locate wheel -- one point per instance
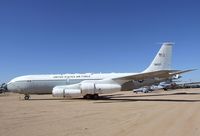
(87, 96)
(26, 97)
(91, 96)
(95, 96)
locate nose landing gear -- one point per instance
(26, 97)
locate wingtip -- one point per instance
(191, 70)
(182, 71)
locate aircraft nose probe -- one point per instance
(3, 88)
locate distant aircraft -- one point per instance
(91, 85)
(145, 89)
(3, 88)
(165, 85)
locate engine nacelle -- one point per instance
(64, 91)
(87, 88)
(92, 88)
(82, 89)
(107, 88)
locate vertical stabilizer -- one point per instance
(162, 61)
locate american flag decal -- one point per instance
(161, 55)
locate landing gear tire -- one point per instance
(26, 97)
(91, 96)
(165, 89)
(95, 96)
(87, 96)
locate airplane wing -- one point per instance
(154, 74)
(182, 71)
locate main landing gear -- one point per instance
(26, 97)
(91, 96)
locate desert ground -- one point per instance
(170, 113)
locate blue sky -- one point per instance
(63, 36)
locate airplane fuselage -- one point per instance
(44, 84)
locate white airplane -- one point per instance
(91, 85)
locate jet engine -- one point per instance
(96, 88)
(82, 89)
(58, 92)
(67, 91)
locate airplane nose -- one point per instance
(11, 87)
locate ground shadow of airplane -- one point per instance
(123, 98)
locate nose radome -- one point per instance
(11, 87)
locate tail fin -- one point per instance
(162, 61)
